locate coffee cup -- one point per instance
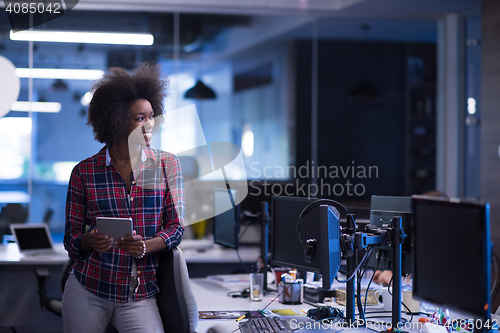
(412, 304)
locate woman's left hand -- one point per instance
(131, 244)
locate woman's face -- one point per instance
(141, 122)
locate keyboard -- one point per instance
(265, 325)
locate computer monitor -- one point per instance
(383, 209)
(329, 219)
(321, 223)
(226, 225)
(452, 254)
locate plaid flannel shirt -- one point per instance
(155, 204)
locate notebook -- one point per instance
(33, 239)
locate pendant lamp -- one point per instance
(200, 91)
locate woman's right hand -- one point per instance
(98, 242)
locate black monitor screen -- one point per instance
(32, 238)
(451, 236)
(226, 226)
(286, 250)
(321, 223)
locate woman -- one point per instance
(126, 178)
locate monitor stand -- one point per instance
(264, 220)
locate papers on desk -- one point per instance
(230, 278)
(221, 314)
(290, 312)
(237, 314)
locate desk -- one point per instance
(19, 301)
(9, 255)
(212, 296)
(219, 260)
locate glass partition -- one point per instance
(276, 79)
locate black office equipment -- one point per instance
(263, 220)
(286, 250)
(383, 209)
(452, 236)
(318, 249)
(33, 239)
(226, 225)
(327, 313)
(266, 324)
(329, 244)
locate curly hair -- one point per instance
(109, 109)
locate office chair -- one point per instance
(15, 212)
(51, 304)
(54, 305)
(176, 302)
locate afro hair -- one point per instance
(109, 109)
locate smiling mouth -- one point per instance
(147, 137)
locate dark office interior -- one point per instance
(339, 101)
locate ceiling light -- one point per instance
(83, 37)
(200, 91)
(15, 125)
(57, 73)
(471, 105)
(36, 106)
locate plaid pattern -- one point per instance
(155, 204)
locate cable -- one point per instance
(407, 308)
(404, 320)
(389, 285)
(241, 261)
(244, 230)
(356, 270)
(361, 311)
(369, 283)
(237, 293)
(497, 277)
(358, 296)
(494, 288)
(314, 204)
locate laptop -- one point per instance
(33, 239)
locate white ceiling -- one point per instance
(390, 20)
(350, 8)
(246, 7)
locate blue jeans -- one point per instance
(84, 312)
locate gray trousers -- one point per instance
(84, 312)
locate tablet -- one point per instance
(115, 227)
